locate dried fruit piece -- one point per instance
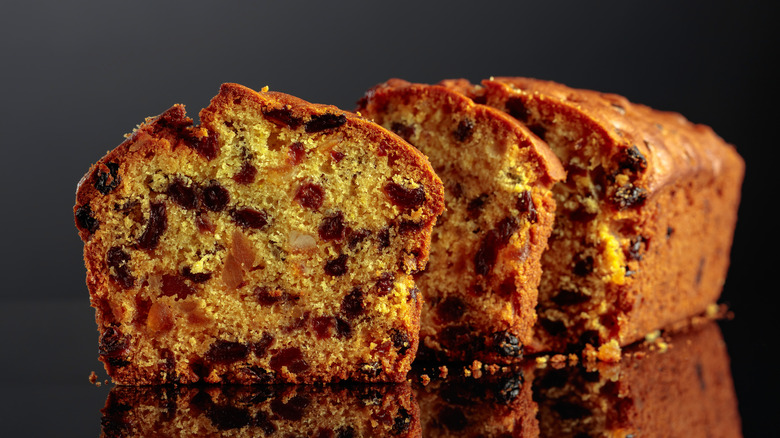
(408, 199)
(290, 357)
(85, 220)
(107, 178)
(159, 319)
(113, 343)
(332, 227)
(401, 341)
(283, 117)
(215, 197)
(250, 218)
(310, 196)
(222, 351)
(117, 259)
(175, 285)
(352, 304)
(525, 206)
(507, 344)
(182, 194)
(384, 284)
(494, 241)
(322, 122)
(247, 174)
(464, 131)
(322, 326)
(451, 309)
(155, 227)
(296, 153)
(336, 267)
(260, 348)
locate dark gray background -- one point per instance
(78, 75)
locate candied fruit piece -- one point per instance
(232, 273)
(159, 318)
(322, 326)
(243, 250)
(283, 117)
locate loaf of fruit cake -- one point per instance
(645, 217)
(276, 241)
(335, 411)
(480, 286)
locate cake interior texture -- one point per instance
(275, 241)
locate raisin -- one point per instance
(283, 117)
(629, 196)
(292, 358)
(464, 131)
(206, 147)
(451, 309)
(310, 196)
(250, 218)
(516, 108)
(246, 175)
(228, 417)
(337, 156)
(404, 198)
(346, 432)
(215, 197)
(292, 410)
(105, 182)
(633, 160)
(494, 241)
(404, 131)
(332, 227)
(200, 277)
(669, 232)
(583, 267)
(507, 344)
(352, 304)
(372, 369)
(400, 341)
(113, 343)
(509, 390)
(383, 238)
(475, 206)
(343, 328)
(406, 227)
(260, 348)
(385, 284)
(453, 419)
(336, 267)
(118, 259)
(296, 153)
(322, 326)
(402, 422)
(155, 227)
(182, 194)
(569, 298)
(322, 122)
(525, 205)
(175, 285)
(357, 236)
(268, 297)
(85, 220)
(223, 352)
(570, 411)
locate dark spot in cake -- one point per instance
(413, 293)
(404, 131)
(262, 422)
(475, 206)
(384, 284)
(118, 259)
(507, 344)
(175, 285)
(464, 131)
(628, 196)
(570, 411)
(451, 309)
(85, 220)
(402, 422)
(632, 160)
(332, 227)
(407, 199)
(346, 432)
(290, 357)
(618, 108)
(107, 178)
(292, 410)
(406, 227)
(260, 348)
(228, 417)
(401, 341)
(566, 297)
(554, 378)
(538, 130)
(283, 117)
(296, 153)
(583, 267)
(224, 352)
(336, 267)
(516, 108)
(582, 215)
(456, 190)
(337, 156)
(323, 326)
(510, 389)
(461, 339)
(155, 227)
(700, 271)
(453, 419)
(113, 343)
(142, 306)
(555, 328)
(183, 195)
(269, 296)
(669, 232)
(323, 122)
(297, 322)
(525, 206)
(588, 337)
(215, 197)
(206, 147)
(250, 218)
(354, 237)
(493, 242)
(635, 248)
(352, 304)
(247, 174)
(199, 277)
(310, 196)
(343, 328)
(370, 370)
(383, 238)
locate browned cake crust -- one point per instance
(274, 242)
(480, 286)
(360, 410)
(645, 217)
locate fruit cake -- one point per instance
(326, 411)
(645, 217)
(481, 282)
(276, 241)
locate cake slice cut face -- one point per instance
(480, 286)
(645, 218)
(276, 241)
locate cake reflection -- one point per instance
(672, 384)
